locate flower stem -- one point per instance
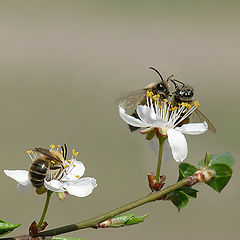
(49, 193)
(161, 142)
(93, 222)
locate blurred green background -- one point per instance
(64, 64)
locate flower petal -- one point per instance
(22, 188)
(77, 171)
(178, 144)
(54, 185)
(21, 176)
(193, 128)
(167, 153)
(149, 117)
(130, 119)
(81, 188)
(146, 114)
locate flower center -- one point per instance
(173, 115)
(54, 162)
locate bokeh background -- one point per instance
(64, 65)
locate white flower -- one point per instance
(69, 180)
(164, 119)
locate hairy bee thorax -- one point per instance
(46, 165)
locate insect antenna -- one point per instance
(175, 80)
(154, 69)
(175, 85)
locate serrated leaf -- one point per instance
(180, 200)
(222, 177)
(190, 192)
(225, 158)
(186, 169)
(65, 238)
(6, 227)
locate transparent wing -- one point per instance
(47, 153)
(197, 116)
(130, 101)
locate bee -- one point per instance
(49, 165)
(185, 93)
(130, 102)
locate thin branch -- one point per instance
(93, 222)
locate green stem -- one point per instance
(92, 222)
(49, 193)
(161, 142)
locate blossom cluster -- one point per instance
(165, 119)
(67, 181)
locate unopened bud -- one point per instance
(122, 220)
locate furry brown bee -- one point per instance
(131, 101)
(48, 165)
(185, 93)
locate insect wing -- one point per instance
(47, 153)
(197, 116)
(131, 101)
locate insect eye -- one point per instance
(188, 93)
(161, 87)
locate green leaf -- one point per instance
(136, 220)
(6, 227)
(180, 200)
(190, 192)
(222, 177)
(123, 220)
(65, 238)
(225, 158)
(186, 169)
(120, 221)
(150, 135)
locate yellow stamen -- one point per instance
(68, 161)
(150, 94)
(197, 104)
(74, 152)
(53, 162)
(74, 165)
(52, 146)
(155, 98)
(66, 166)
(77, 176)
(28, 151)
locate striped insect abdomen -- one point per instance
(38, 171)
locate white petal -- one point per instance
(167, 153)
(193, 128)
(22, 188)
(81, 188)
(75, 173)
(146, 114)
(149, 117)
(21, 176)
(130, 119)
(54, 185)
(178, 144)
